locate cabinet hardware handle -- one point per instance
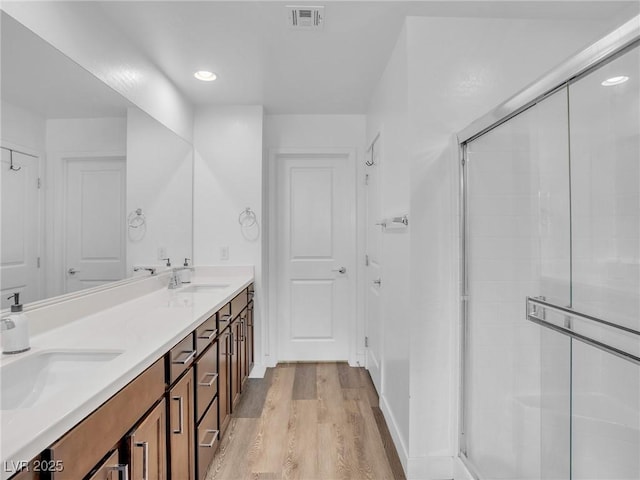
(145, 459)
(213, 439)
(342, 270)
(252, 295)
(180, 415)
(226, 317)
(212, 334)
(233, 340)
(213, 376)
(241, 338)
(121, 468)
(189, 356)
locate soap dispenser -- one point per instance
(186, 273)
(15, 329)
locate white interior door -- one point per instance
(373, 307)
(316, 256)
(20, 227)
(95, 222)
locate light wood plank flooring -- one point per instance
(308, 421)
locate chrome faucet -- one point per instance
(148, 269)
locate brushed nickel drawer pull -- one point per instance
(226, 318)
(210, 336)
(145, 459)
(121, 468)
(180, 415)
(213, 439)
(189, 356)
(213, 376)
(233, 340)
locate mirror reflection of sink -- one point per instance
(203, 288)
(33, 379)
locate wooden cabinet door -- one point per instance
(242, 349)
(235, 363)
(147, 445)
(111, 469)
(250, 348)
(223, 379)
(182, 428)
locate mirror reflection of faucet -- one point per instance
(151, 270)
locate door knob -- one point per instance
(342, 270)
(378, 282)
(72, 271)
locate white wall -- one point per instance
(444, 73)
(22, 128)
(159, 181)
(227, 179)
(323, 132)
(80, 32)
(388, 115)
(68, 138)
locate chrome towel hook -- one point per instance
(11, 166)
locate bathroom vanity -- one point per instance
(142, 390)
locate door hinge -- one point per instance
(366, 341)
(366, 179)
(39, 182)
(38, 262)
(366, 260)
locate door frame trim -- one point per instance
(270, 337)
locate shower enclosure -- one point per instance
(551, 276)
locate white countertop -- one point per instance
(144, 329)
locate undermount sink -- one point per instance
(34, 378)
(203, 288)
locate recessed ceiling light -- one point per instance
(610, 82)
(205, 75)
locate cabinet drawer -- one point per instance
(205, 333)
(83, 447)
(239, 303)
(206, 379)
(224, 317)
(110, 469)
(208, 438)
(181, 357)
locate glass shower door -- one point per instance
(517, 374)
(605, 181)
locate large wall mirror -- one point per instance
(92, 186)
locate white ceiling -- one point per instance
(39, 78)
(259, 60)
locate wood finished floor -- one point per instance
(308, 421)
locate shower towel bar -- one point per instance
(533, 316)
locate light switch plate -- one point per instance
(162, 253)
(224, 253)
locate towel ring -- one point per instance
(136, 219)
(247, 218)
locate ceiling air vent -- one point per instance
(305, 18)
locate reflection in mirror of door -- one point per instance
(86, 157)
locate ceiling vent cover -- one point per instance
(305, 17)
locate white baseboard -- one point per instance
(258, 371)
(395, 433)
(460, 472)
(430, 468)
